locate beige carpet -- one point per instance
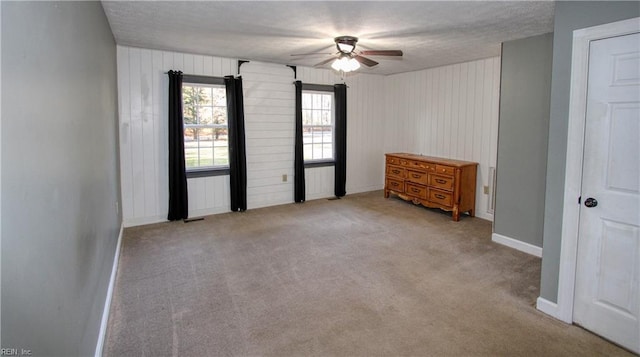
(360, 276)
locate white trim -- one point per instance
(141, 221)
(575, 141)
(517, 244)
(548, 307)
(107, 304)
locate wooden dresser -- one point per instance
(432, 182)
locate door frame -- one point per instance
(575, 156)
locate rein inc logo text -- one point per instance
(15, 352)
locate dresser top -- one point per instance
(437, 160)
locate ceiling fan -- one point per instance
(347, 59)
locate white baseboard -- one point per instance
(207, 211)
(102, 334)
(516, 244)
(141, 221)
(548, 307)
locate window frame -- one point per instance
(322, 88)
(209, 171)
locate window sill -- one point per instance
(319, 163)
(195, 173)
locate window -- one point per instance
(206, 144)
(318, 124)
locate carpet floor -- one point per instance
(359, 276)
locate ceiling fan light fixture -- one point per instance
(345, 47)
(345, 64)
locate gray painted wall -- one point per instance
(523, 130)
(60, 174)
(569, 16)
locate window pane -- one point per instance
(205, 115)
(327, 134)
(327, 151)
(308, 151)
(190, 148)
(306, 100)
(307, 135)
(317, 151)
(221, 153)
(219, 115)
(317, 115)
(326, 102)
(205, 96)
(306, 117)
(206, 145)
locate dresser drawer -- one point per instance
(424, 166)
(396, 171)
(393, 160)
(417, 177)
(395, 185)
(445, 170)
(441, 182)
(416, 190)
(441, 197)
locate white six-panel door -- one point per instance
(607, 296)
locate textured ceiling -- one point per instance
(430, 33)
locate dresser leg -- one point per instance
(456, 214)
(472, 212)
(386, 193)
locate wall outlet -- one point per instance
(486, 190)
(284, 178)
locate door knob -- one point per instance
(590, 202)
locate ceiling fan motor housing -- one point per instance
(348, 44)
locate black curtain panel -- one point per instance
(237, 153)
(340, 92)
(178, 204)
(298, 183)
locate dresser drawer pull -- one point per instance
(415, 190)
(441, 181)
(416, 175)
(403, 162)
(395, 171)
(444, 170)
(440, 196)
(394, 184)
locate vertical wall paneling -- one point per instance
(142, 97)
(269, 130)
(365, 133)
(452, 112)
(448, 111)
(126, 184)
(269, 117)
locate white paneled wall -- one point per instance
(269, 120)
(269, 114)
(449, 111)
(365, 134)
(142, 96)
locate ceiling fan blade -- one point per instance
(381, 52)
(324, 62)
(312, 54)
(365, 61)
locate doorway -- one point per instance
(574, 207)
